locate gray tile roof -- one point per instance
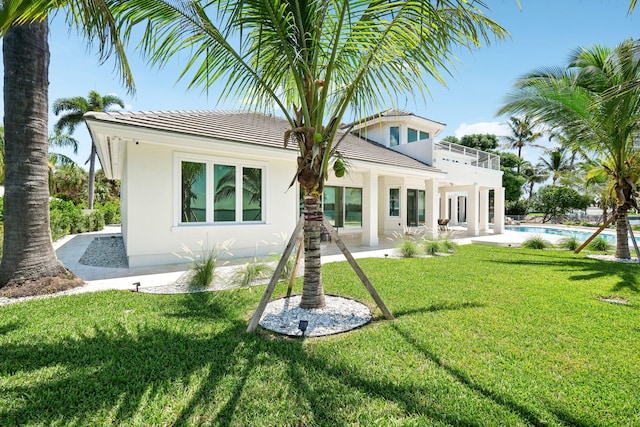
(251, 128)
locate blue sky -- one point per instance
(543, 33)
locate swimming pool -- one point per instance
(581, 235)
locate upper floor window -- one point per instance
(394, 136)
(218, 192)
(414, 135)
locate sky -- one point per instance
(542, 33)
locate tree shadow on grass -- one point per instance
(9, 327)
(532, 417)
(584, 269)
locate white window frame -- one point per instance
(210, 161)
(344, 206)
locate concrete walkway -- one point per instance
(71, 248)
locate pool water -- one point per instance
(580, 235)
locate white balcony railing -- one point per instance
(456, 153)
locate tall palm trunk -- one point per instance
(28, 253)
(622, 244)
(312, 290)
(92, 175)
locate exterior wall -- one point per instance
(152, 235)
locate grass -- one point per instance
(489, 336)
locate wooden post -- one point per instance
(582, 246)
(633, 239)
(294, 272)
(365, 281)
(295, 237)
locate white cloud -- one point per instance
(496, 128)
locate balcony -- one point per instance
(449, 152)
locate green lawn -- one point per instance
(490, 336)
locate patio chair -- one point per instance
(443, 224)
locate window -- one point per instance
(220, 192)
(193, 194)
(394, 202)
(343, 206)
(412, 135)
(394, 136)
(415, 207)
(424, 135)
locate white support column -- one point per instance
(484, 210)
(453, 215)
(431, 207)
(370, 224)
(472, 210)
(498, 211)
(443, 205)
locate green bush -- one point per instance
(95, 220)
(599, 244)
(111, 211)
(536, 242)
(570, 243)
(408, 248)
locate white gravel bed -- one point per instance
(339, 315)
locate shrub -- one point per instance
(111, 212)
(448, 245)
(599, 244)
(536, 242)
(408, 248)
(431, 247)
(569, 243)
(252, 271)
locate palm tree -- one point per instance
(74, 110)
(60, 140)
(593, 100)
(533, 174)
(312, 61)
(28, 253)
(522, 134)
(556, 164)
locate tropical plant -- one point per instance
(252, 271)
(313, 62)
(523, 134)
(537, 242)
(599, 244)
(60, 140)
(408, 248)
(555, 164)
(555, 201)
(595, 101)
(72, 111)
(28, 251)
(569, 243)
(533, 174)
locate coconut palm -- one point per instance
(556, 164)
(533, 174)
(312, 62)
(594, 101)
(73, 110)
(28, 253)
(60, 140)
(522, 135)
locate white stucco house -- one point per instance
(193, 176)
